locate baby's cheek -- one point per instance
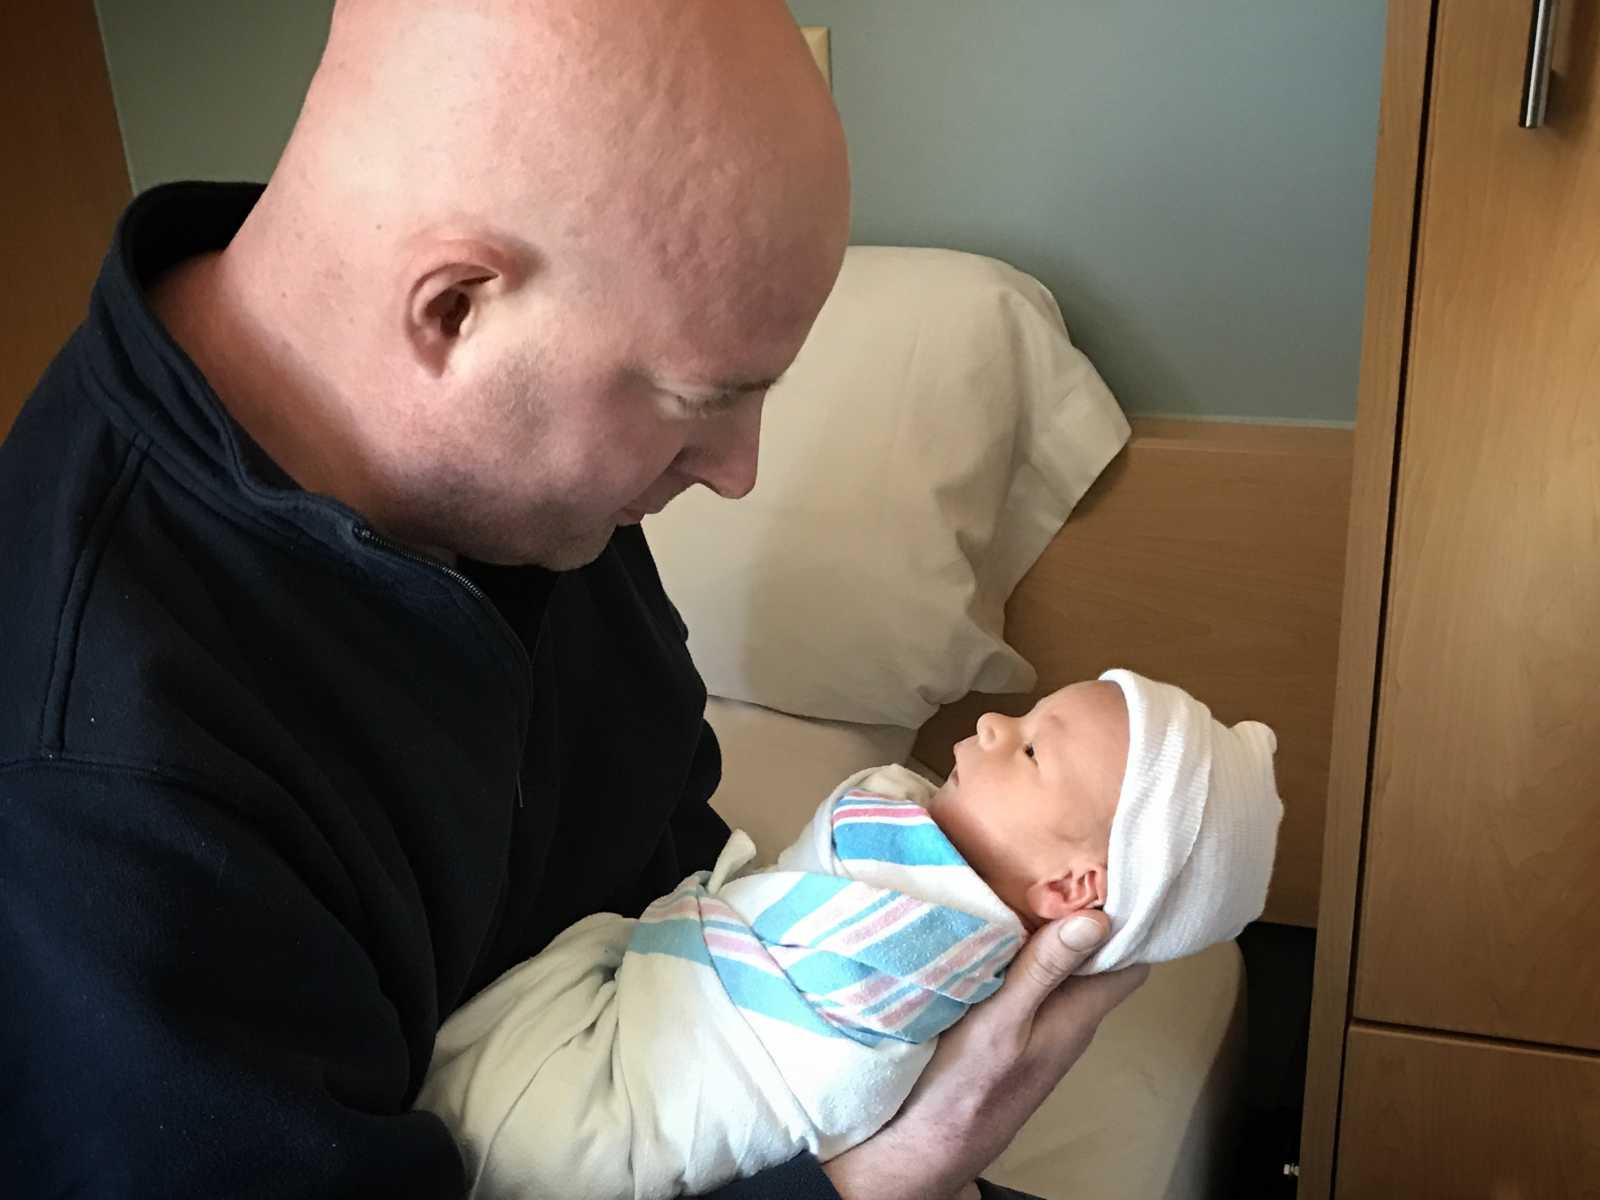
(956, 825)
(985, 852)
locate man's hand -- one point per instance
(990, 1072)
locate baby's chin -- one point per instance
(944, 792)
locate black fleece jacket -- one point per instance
(275, 797)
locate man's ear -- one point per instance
(1079, 888)
(441, 307)
(451, 278)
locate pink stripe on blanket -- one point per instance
(880, 923)
(934, 977)
(866, 992)
(863, 794)
(745, 950)
(905, 1012)
(684, 906)
(959, 957)
(908, 814)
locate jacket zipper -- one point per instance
(366, 533)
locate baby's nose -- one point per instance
(991, 728)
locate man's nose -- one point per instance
(727, 462)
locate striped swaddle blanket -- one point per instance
(863, 941)
(745, 1017)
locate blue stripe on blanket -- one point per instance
(919, 943)
(913, 845)
(748, 987)
(822, 972)
(941, 1013)
(900, 953)
(772, 996)
(803, 899)
(854, 918)
(681, 938)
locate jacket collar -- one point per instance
(154, 387)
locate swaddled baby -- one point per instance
(754, 1014)
(1121, 794)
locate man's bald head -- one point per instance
(680, 127)
(564, 208)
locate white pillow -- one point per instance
(934, 433)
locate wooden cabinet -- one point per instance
(1457, 1011)
(1435, 1116)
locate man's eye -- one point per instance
(702, 407)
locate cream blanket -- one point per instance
(742, 1019)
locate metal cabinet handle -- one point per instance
(1536, 78)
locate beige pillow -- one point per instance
(934, 433)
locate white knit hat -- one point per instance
(1195, 829)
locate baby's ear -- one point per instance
(1078, 889)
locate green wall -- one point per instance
(209, 89)
(1192, 178)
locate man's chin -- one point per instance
(564, 554)
(575, 552)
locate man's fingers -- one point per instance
(1052, 954)
(1085, 1004)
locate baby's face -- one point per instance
(1030, 801)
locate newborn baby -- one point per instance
(754, 1014)
(1121, 794)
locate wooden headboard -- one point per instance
(1211, 556)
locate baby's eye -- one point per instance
(1028, 749)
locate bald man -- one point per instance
(327, 619)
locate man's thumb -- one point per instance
(1082, 934)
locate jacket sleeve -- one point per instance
(800, 1178)
(184, 1017)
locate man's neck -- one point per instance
(251, 366)
(249, 359)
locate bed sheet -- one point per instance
(1149, 1111)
